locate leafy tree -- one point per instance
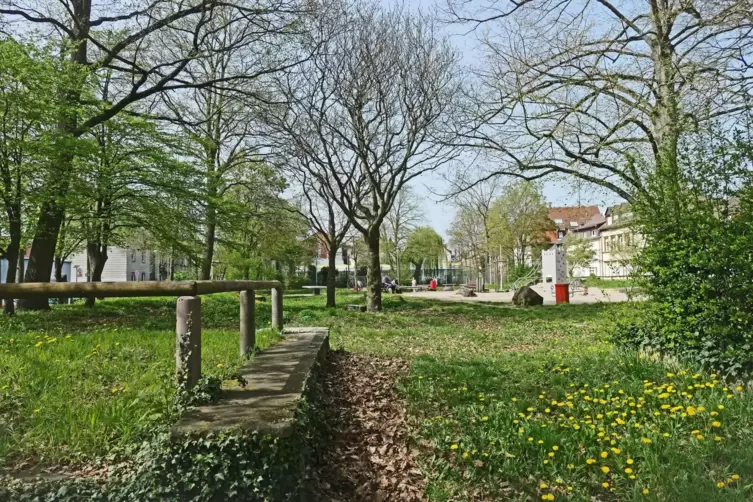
(697, 263)
(424, 249)
(519, 223)
(150, 47)
(579, 251)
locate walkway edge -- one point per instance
(275, 381)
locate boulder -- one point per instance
(356, 308)
(448, 288)
(527, 297)
(466, 292)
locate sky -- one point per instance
(557, 191)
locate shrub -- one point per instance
(697, 264)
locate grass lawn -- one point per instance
(505, 403)
(77, 384)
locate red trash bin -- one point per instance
(562, 293)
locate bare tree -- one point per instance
(325, 218)
(400, 222)
(585, 88)
(363, 117)
(474, 226)
(129, 39)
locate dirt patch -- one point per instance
(368, 457)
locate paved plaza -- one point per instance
(595, 295)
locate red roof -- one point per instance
(581, 214)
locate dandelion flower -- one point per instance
(690, 410)
(591, 461)
(735, 477)
(605, 469)
(543, 486)
(628, 470)
(716, 424)
(604, 454)
(645, 491)
(646, 440)
(630, 461)
(720, 484)
(454, 447)
(605, 484)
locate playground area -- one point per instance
(595, 295)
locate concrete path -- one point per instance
(275, 379)
(595, 295)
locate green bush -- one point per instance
(697, 263)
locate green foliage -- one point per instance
(80, 384)
(697, 266)
(424, 249)
(223, 467)
(579, 252)
(519, 222)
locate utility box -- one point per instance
(554, 266)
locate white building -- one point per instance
(123, 264)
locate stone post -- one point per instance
(248, 323)
(188, 339)
(277, 308)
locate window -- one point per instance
(592, 271)
(593, 233)
(133, 276)
(558, 221)
(143, 257)
(133, 255)
(573, 223)
(143, 276)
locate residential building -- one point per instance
(569, 219)
(4, 268)
(591, 231)
(127, 264)
(619, 242)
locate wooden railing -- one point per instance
(188, 309)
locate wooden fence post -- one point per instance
(277, 308)
(188, 340)
(248, 322)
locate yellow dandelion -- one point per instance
(605, 484)
(630, 461)
(465, 454)
(735, 477)
(739, 388)
(591, 461)
(628, 470)
(717, 438)
(551, 453)
(645, 491)
(720, 484)
(716, 424)
(604, 454)
(454, 447)
(646, 440)
(555, 447)
(543, 486)
(484, 419)
(605, 469)
(690, 411)
(548, 496)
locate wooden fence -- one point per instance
(188, 309)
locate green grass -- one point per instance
(485, 378)
(78, 383)
(593, 282)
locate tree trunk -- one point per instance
(97, 254)
(331, 273)
(374, 278)
(12, 256)
(21, 265)
(209, 238)
(42, 253)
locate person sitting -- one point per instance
(433, 285)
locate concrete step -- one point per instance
(275, 378)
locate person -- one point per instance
(413, 282)
(433, 284)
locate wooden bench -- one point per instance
(415, 288)
(317, 289)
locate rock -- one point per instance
(466, 292)
(356, 308)
(448, 288)
(527, 297)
